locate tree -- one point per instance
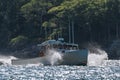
(35, 12)
(10, 15)
(80, 12)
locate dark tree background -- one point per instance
(39, 20)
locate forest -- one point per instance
(33, 21)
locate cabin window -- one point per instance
(67, 47)
(71, 47)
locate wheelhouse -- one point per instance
(53, 44)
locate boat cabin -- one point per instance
(58, 45)
(53, 44)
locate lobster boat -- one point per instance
(70, 52)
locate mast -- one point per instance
(72, 31)
(69, 31)
(117, 31)
(45, 32)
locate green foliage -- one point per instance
(35, 12)
(49, 24)
(92, 15)
(18, 41)
(35, 8)
(48, 19)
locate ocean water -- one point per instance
(99, 67)
(109, 70)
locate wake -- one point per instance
(51, 57)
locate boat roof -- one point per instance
(56, 42)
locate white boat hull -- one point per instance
(75, 57)
(70, 57)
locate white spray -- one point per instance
(54, 57)
(97, 57)
(51, 57)
(6, 59)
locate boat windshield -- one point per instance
(65, 46)
(58, 45)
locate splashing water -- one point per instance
(6, 59)
(53, 57)
(96, 58)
